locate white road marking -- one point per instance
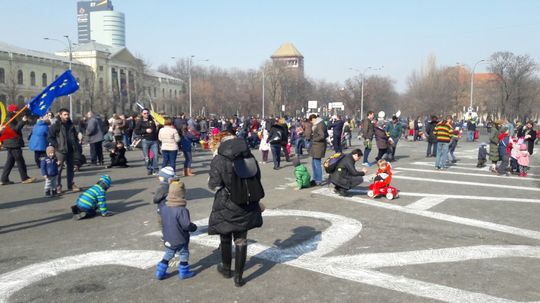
(532, 234)
(447, 172)
(307, 255)
(500, 186)
(18, 279)
(426, 203)
(485, 168)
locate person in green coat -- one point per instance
(494, 145)
(301, 173)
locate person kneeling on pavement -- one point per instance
(93, 199)
(345, 176)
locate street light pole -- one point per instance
(362, 75)
(262, 117)
(189, 81)
(472, 81)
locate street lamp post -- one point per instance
(262, 117)
(472, 81)
(362, 75)
(190, 61)
(70, 66)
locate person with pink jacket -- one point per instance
(523, 159)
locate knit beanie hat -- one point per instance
(49, 149)
(106, 180)
(177, 194)
(12, 108)
(167, 173)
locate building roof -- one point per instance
(155, 73)
(287, 50)
(8, 48)
(94, 46)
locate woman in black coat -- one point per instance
(229, 219)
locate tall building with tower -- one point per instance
(290, 58)
(97, 21)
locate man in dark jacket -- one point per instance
(431, 137)
(146, 128)
(229, 219)
(336, 125)
(276, 131)
(346, 176)
(368, 131)
(94, 137)
(63, 137)
(13, 147)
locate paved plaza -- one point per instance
(456, 235)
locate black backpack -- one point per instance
(246, 184)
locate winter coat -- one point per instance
(17, 126)
(64, 137)
(118, 127)
(264, 146)
(141, 127)
(275, 130)
(381, 138)
(203, 125)
(38, 137)
(368, 130)
(185, 142)
(523, 158)
(49, 167)
(504, 141)
(345, 169)
(318, 139)
(161, 193)
(94, 130)
(169, 138)
(302, 176)
(307, 129)
(337, 129)
(494, 144)
(226, 216)
(530, 140)
(395, 130)
(176, 225)
(430, 131)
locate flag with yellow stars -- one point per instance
(63, 85)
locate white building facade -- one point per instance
(111, 79)
(108, 27)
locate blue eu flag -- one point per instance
(63, 85)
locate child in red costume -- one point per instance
(384, 172)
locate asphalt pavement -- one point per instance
(456, 235)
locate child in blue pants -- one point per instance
(93, 199)
(176, 228)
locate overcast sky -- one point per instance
(333, 36)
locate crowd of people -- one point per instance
(234, 174)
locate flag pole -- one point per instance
(16, 115)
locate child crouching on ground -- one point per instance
(93, 199)
(301, 173)
(118, 156)
(49, 171)
(176, 228)
(482, 155)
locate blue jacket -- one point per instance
(38, 137)
(93, 198)
(176, 225)
(185, 142)
(49, 167)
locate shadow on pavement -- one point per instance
(15, 204)
(198, 193)
(34, 223)
(295, 243)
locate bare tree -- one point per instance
(516, 79)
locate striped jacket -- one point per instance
(444, 131)
(93, 198)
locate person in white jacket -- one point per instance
(169, 138)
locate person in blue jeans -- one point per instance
(147, 129)
(185, 141)
(318, 147)
(275, 138)
(169, 138)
